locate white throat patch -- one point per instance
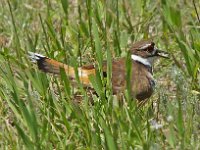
(146, 61)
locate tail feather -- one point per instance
(35, 56)
(48, 65)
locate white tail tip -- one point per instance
(35, 56)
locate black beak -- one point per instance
(162, 54)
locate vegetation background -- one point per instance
(37, 110)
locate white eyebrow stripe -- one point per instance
(141, 60)
(145, 46)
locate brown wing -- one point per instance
(141, 80)
(118, 75)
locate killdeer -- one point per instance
(143, 54)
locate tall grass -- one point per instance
(38, 110)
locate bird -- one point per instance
(142, 84)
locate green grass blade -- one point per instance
(25, 138)
(110, 142)
(66, 82)
(98, 47)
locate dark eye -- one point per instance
(152, 44)
(151, 47)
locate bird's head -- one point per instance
(146, 52)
